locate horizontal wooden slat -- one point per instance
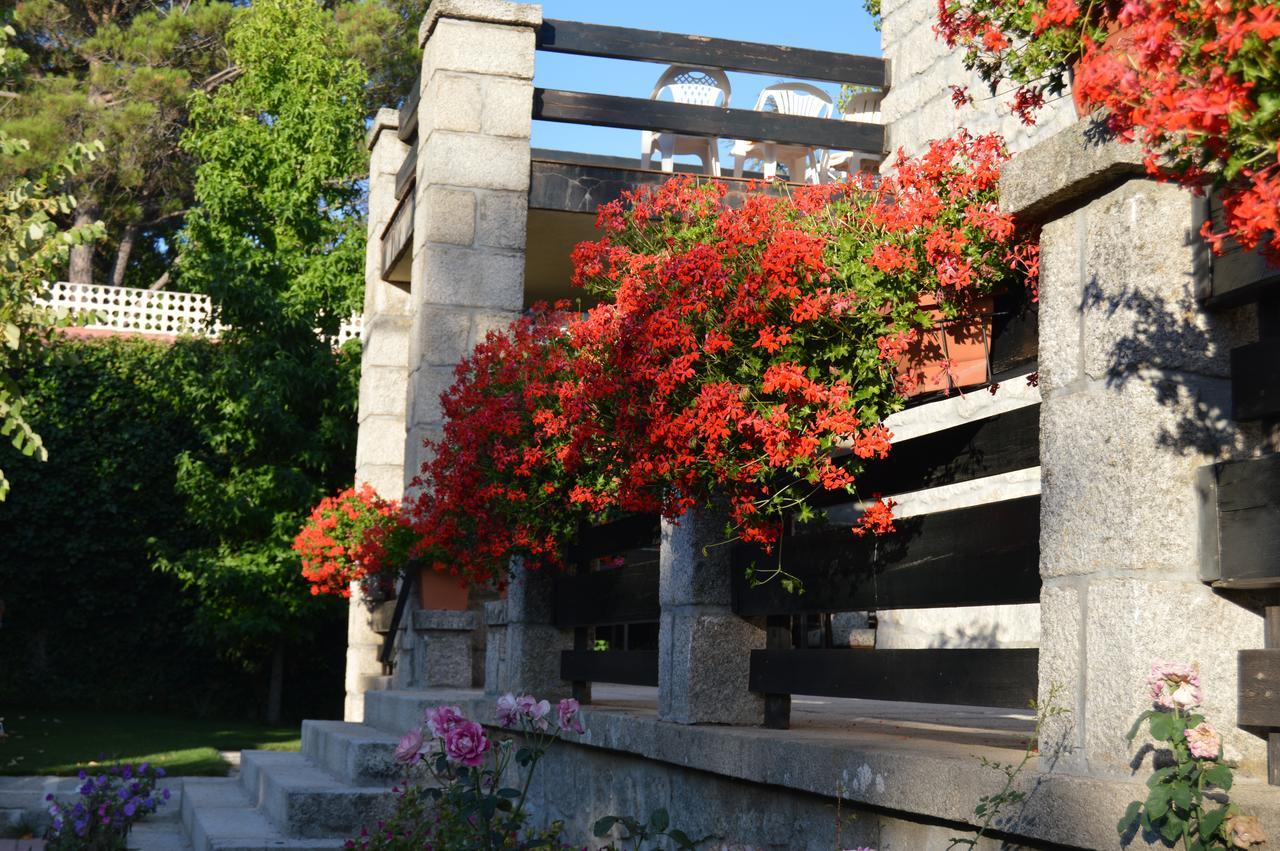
(969, 677)
(622, 595)
(1236, 276)
(1241, 523)
(971, 450)
(628, 533)
(1258, 703)
(649, 46)
(409, 112)
(692, 120)
(1015, 335)
(984, 555)
(1255, 381)
(629, 667)
(408, 172)
(397, 239)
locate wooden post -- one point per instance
(777, 707)
(1269, 329)
(583, 640)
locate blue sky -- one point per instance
(837, 25)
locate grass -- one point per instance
(42, 741)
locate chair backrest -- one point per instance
(864, 107)
(689, 84)
(795, 99)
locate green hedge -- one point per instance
(89, 620)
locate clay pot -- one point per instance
(438, 590)
(954, 353)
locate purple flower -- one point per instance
(569, 717)
(465, 743)
(164, 793)
(441, 718)
(409, 751)
(533, 709)
(508, 712)
(130, 808)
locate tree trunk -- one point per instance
(275, 694)
(81, 270)
(127, 239)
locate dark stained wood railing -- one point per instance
(622, 599)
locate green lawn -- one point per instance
(44, 741)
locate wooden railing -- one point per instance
(604, 110)
(617, 605)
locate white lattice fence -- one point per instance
(130, 310)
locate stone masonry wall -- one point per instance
(1135, 380)
(918, 105)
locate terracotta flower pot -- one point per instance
(953, 354)
(437, 590)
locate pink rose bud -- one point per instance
(409, 751)
(569, 718)
(508, 713)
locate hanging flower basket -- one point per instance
(440, 590)
(952, 355)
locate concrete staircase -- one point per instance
(307, 801)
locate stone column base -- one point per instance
(444, 639)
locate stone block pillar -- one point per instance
(445, 642)
(383, 388)
(529, 653)
(495, 648)
(472, 186)
(1135, 401)
(703, 647)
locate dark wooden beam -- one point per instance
(1258, 703)
(1015, 335)
(408, 172)
(409, 112)
(628, 667)
(984, 555)
(628, 533)
(1240, 523)
(972, 450)
(397, 241)
(969, 677)
(672, 48)
(622, 595)
(692, 120)
(1255, 380)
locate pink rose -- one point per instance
(409, 751)
(569, 720)
(507, 713)
(533, 709)
(441, 718)
(1203, 741)
(465, 743)
(1174, 685)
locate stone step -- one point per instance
(302, 799)
(396, 711)
(354, 753)
(217, 815)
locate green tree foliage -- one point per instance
(87, 620)
(123, 71)
(277, 240)
(120, 71)
(31, 245)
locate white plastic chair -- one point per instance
(863, 107)
(786, 99)
(686, 84)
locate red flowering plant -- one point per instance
(1196, 83)
(529, 428)
(753, 345)
(354, 536)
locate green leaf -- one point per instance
(1172, 827)
(1210, 822)
(1137, 725)
(659, 820)
(1219, 775)
(604, 826)
(1162, 726)
(1157, 803)
(1180, 794)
